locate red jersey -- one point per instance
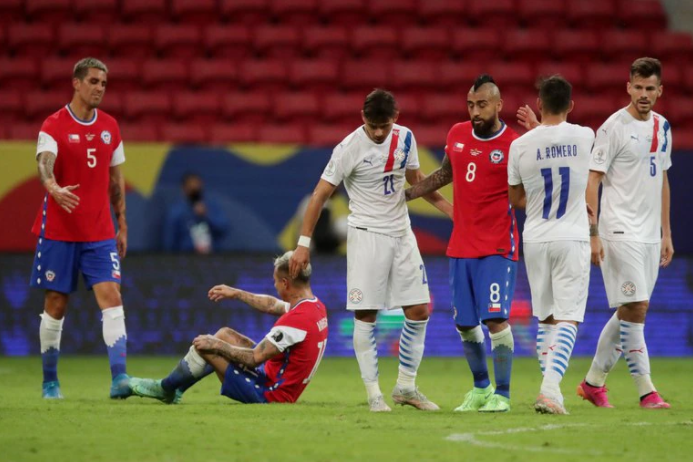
(85, 152)
(301, 334)
(484, 223)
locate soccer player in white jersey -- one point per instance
(384, 267)
(631, 156)
(547, 174)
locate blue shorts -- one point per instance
(57, 264)
(482, 288)
(244, 385)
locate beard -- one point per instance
(485, 128)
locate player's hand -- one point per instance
(221, 292)
(597, 250)
(205, 342)
(122, 241)
(527, 118)
(65, 198)
(299, 260)
(667, 252)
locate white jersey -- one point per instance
(373, 175)
(552, 162)
(633, 154)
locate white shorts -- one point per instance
(384, 272)
(559, 276)
(630, 271)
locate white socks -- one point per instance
(635, 352)
(411, 350)
(545, 335)
(475, 335)
(50, 332)
(196, 363)
(366, 352)
(113, 325)
(608, 352)
(558, 359)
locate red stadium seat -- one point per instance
(168, 74)
(513, 77)
(277, 41)
(11, 107)
(393, 12)
(49, 11)
(40, 105)
(680, 113)
(147, 106)
(431, 135)
(133, 41)
(579, 46)
(375, 42)
(326, 42)
(30, 40)
(247, 12)
(317, 75)
(684, 138)
(328, 135)
(542, 13)
(459, 76)
(148, 12)
(344, 108)
(96, 11)
(199, 12)
(624, 45)
(80, 40)
(112, 103)
(246, 106)
(26, 131)
(139, 132)
(266, 75)
(443, 108)
(124, 74)
(687, 77)
(597, 15)
(282, 134)
(177, 41)
(607, 77)
(527, 45)
(673, 77)
(670, 46)
(227, 41)
(572, 72)
(477, 45)
(197, 107)
(238, 132)
(303, 106)
(56, 73)
(295, 12)
(343, 12)
(11, 12)
(443, 13)
(636, 13)
(415, 75)
(220, 75)
(495, 14)
(185, 133)
(365, 75)
(592, 111)
(408, 105)
(430, 43)
(18, 74)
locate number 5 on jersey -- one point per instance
(91, 158)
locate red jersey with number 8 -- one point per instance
(484, 222)
(85, 152)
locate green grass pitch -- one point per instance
(331, 422)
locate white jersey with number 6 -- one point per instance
(552, 162)
(373, 175)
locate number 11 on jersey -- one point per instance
(547, 173)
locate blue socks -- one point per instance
(475, 351)
(50, 332)
(503, 346)
(190, 370)
(116, 339)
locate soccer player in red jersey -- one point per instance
(483, 248)
(277, 369)
(79, 153)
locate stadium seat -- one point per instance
(624, 45)
(592, 111)
(443, 13)
(295, 12)
(513, 76)
(444, 108)
(218, 75)
(670, 46)
(572, 72)
(3, 38)
(150, 12)
(11, 106)
(237, 132)
(303, 106)
(679, 114)
(246, 106)
(527, 45)
(173, 41)
(477, 45)
(198, 107)
(282, 134)
(687, 77)
(542, 13)
(408, 105)
(328, 135)
(24, 131)
(580, 46)
(139, 132)
(185, 133)
(316, 75)
(18, 74)
(326, 42)
(80, 40)
(112, 103)
(4, 131)
(365, 75)
(247, 12)
(123, 74)
(606, 77)
(599, 15)
(147, 106)
(228, 41)
(495, 14)
(30, 40)
(167, 74)
(343, 12)
(344, 108)
(39, 105)
(11, 12)
(511, 103)
(397, 13)
(198, 12)
(636, 13)
(268, 75)
(684, 138)
(430, 135)
(415, 75)
(56, 73)
(457, 76)
(429, 43)
(51, 12)
(96, 11)
(375, 42)
(673, 77)
(133, 41)
(280, 42)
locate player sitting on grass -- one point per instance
(277, 369)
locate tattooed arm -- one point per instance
(117, 192)
(433, 182)
(63, 196)
(239, 355)
(264, 303)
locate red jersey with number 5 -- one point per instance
(484, 222)
(85, 152)
(301, 336)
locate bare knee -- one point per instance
(633, 312)
(55, 304)
(417, 312)
(225, 333)
(108, 295)
(366, 315)
(496, 325)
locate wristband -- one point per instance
(594, 231)
(304, 241)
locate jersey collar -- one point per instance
(80, 121)
(314, 299)
(493, 136)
